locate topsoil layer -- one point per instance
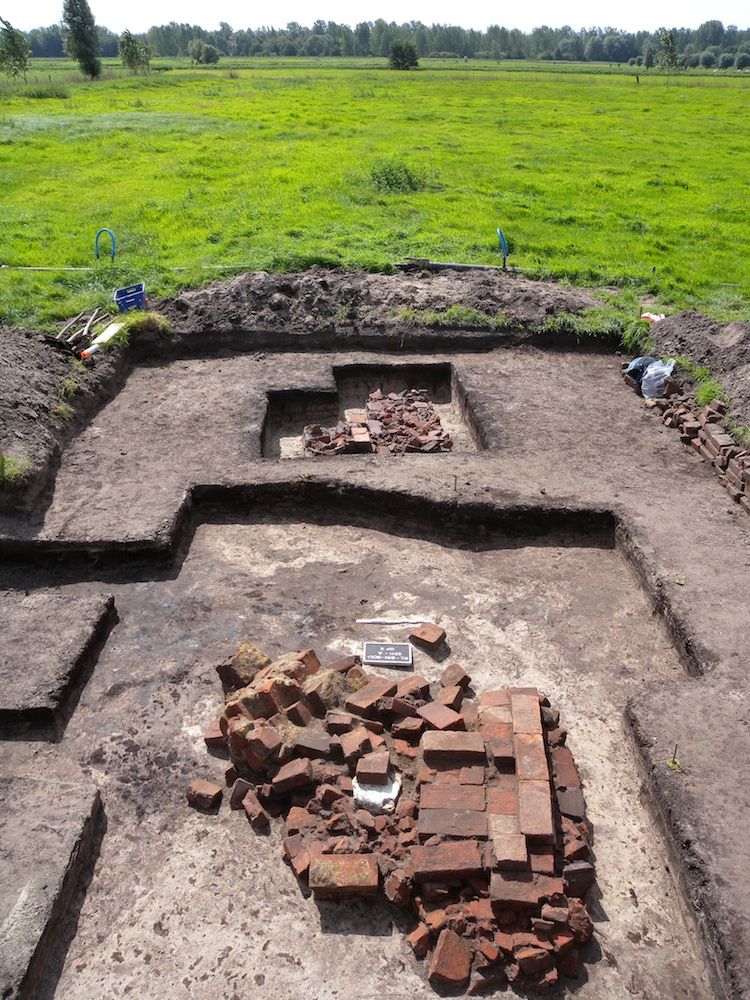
(723, 349)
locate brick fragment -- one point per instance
(453, 747)
(428, 635)
(203, 794)
(471, 776)
(419, 940)
(362, 702)
(299, 714)
(451, 961)
(343, 664)
(264, 742)
(213, 736)
(257, 815)
(535, 810)
(510, 852)
(457, 859)
(521, 890)
(500, 800)
(296, 774)
(355, 743)
(571, 803)
(413, 685)
(454, 675)
(374, 768)
(542, 858)
(565, 770)
(239, 790)
(339, 722)
(439, 717)
(579, 877)
(409, 728)
(344, 875)
(581, 926)
(495, 698)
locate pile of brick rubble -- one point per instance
(488, 843)
(397, 423)
(702, 428)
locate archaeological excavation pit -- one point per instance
(533, 606)
(352, 404)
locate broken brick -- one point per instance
(579, 877)
(312, 743)
(565, 770)
(373, 769)
(510, 851)
(213, 736)
(339, 722)
(419, 940)
(451, 697)
(257, 815)
(362, 702)
(454, 675)
(239, 790)
(428, 635)
(439, 717)
(409, 728)
(451, 960)
(414, 685)
(355, 743)
(296, 774)
(203, 794)
(571, 803)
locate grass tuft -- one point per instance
(12, 470)
(455, 317)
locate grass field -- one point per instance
(595, 178)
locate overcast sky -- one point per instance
(138, 15)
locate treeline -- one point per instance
(712, 44)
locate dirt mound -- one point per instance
(323, 300)
(43, 398)
(723, 349)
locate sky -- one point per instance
(137, 15)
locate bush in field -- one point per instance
(81, 37)
(742, 61)
(134, 54)
(395, 175)
(726, 60)
(707, 59)
(404, 55)
(203, 53)
(14, 50)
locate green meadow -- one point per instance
(595, 178)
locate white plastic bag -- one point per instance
(655, 378)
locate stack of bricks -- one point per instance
(702, 429)
(393, 424)
(488, 845)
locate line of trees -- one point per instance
(711, 44)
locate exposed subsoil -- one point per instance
(723, 349)
(201, 907)
(337, 301)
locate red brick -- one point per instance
(451, 961)
(527, 716)
(510, 851)
(414, 685)
(213, 736)
(301, 863)
(439, 717)
(362, 702)
(257, 815)
(501, 801)
(471, 776)
(342, 664)
(299, 819)
(452, 797)
(571, 803)
(204, 794)
(579, 921)
(535, 810)
(454, 675)
(409, 728)
(355, 743)
(531, 757)
(451, 697)
(296, 774)
(569, 964)
(328, 794)
(501, 750)
(469, 715)
(564, 766)
(419, 940)
(313, 743)
(500, 824)
(452, 747)
(495, 698)
(533, 960)
(542, 858)
(451, 823)
(344, 875)
(579, 877)
(339, 722)
(457, 859)
(428, 635)
(263, 742)
(299, 714)
(373, 768)
(495, 715)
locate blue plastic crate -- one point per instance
(133, 297)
